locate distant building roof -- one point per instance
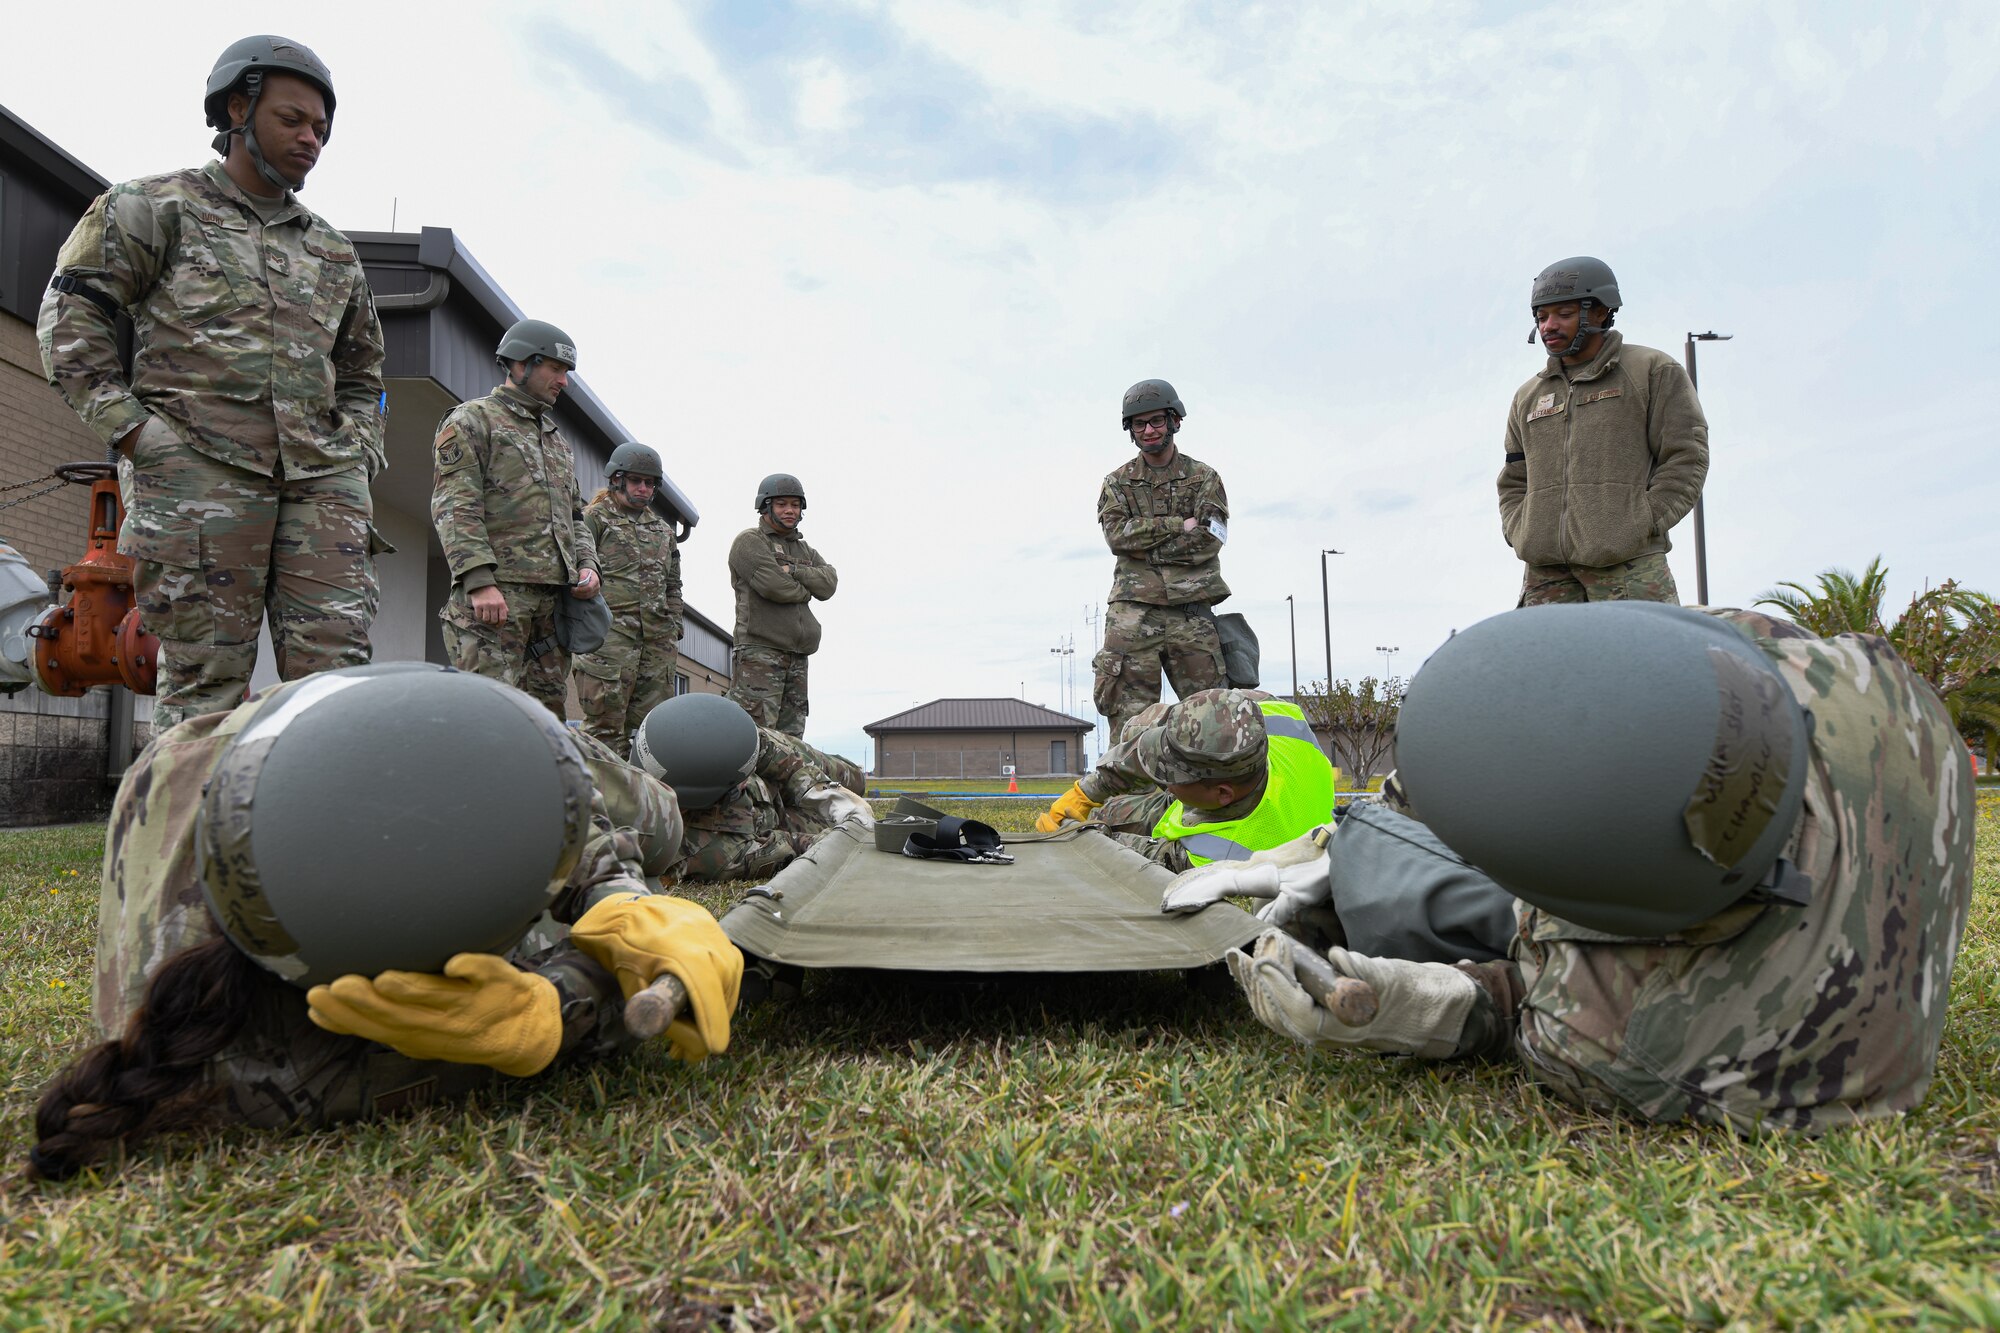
(979, 715)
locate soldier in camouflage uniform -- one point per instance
(1606, 451)
(1797, 993)
(1165, 516)
(640, 563)
(179, 851)
(777, 576)
(509, 515)
(753, 798)
(1218, 776)
(250, 420)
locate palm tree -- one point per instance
(1948, 635)
(1843, 604)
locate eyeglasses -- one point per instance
(1158, 421)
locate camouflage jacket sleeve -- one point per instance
(458, 499)
(117, 251)
(636, 826)
(357, 365)
(1191, 548)
(676, 606)
(813, 573)
(1513, 479)
(1677, 433)
(586, 536)
(787, 765)
(752, 560)
(1116, 774)
(1124, 532)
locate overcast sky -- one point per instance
(915, 252)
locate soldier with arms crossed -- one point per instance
(777, 576)
(1165, 517)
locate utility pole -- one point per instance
(1326, 610)
(1700, 527)
(1292, 614)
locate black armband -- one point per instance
(75, 286)
(1517, 458)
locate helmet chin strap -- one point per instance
(1585, 330)
(253, 84)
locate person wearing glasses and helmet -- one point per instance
(640, 563)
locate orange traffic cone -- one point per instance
(1011, 784)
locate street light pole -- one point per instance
(1700, 527)
(1387, 655)
(1326, 610)
(1292, 613)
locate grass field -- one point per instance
(1114, 1152)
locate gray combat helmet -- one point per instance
(1582, 279)
(1628, 766)
(777, 484)
(634, 460)
(1148, 396)
(701, 745)
(389, 816)
(243, 65)
(533, 340)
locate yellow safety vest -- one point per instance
(1297, 799)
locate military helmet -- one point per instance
(389, 816)
(701, 745)
(777, 484)
(531, 340)
(1579, 279)
(1210, 736)
(1628, 766)
(635, 460)
(262, 55)
(1152, 396)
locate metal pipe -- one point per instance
(1292, 613)
(1326, 611)
(1700, 524)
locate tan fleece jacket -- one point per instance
(1601, 462)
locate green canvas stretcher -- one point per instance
(1071, 902)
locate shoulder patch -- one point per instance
(85, 246)
(450, 447)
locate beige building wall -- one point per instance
(973, 754)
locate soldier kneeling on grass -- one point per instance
(318, 907)
(1687, 865)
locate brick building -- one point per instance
(442, 315)
(973, 738)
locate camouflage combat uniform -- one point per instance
(509, 514)
(282, 1069)
(257, 380)
(640, 563)
(1133, 804)
(776, 576)
(1769, 1015)
(1163, 584)
(1602, 460)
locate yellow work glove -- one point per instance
(482, 1011)
(638, 937)
(1072, 804)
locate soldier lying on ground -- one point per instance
(1742, 853)
(403, 823)
(1217, 777)
(753, 797)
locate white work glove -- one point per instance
(835, 803)
(1289, 879)
(1420, 1008)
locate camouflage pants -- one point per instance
(770, 683)
(617, 685)
(1138, 641)
(717, 855)
(501, 652)
(219, 549)
(1645, 579)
